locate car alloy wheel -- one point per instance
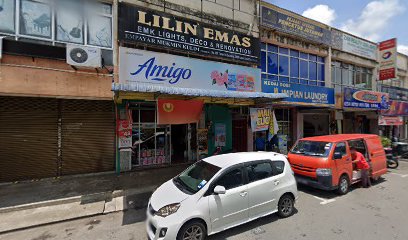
(194, 232)
(343, 185)
(285, 206)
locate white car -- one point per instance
(219, 193)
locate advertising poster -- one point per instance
(354, 98)
(124, 133)
(141, 25)
(283, 143)
(160, 69)
(220, 135)
(396, 108)
(388, 59)
(273, 126)
(178, 111)
(260, 119)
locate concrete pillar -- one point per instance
(327, 68)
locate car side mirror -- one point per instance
(219, 190)
(337, 155)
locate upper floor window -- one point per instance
(60, 21)
(349, 75)
(288, 65)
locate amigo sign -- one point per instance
(140, 25)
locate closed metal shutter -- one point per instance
(88, 136)
(28, 138)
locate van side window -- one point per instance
(341, 148)
(259, 171)
(359, 145)
(231, 179)
(278, 167)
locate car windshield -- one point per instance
(312, 148)
(195, 177)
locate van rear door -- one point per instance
(376, 154)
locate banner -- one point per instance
(353, 45)
(390, 121)
(139, 66)
(299, 93)
(124, 133)
(273, 126)
(141, 25)
(178, 111)
(294, 24)
(388, 59)
(396, 108)
(354, 98)
(220, 135)
(260, 119)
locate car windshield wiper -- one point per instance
(183, 186)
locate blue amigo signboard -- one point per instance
(300, 93)
(354, 98)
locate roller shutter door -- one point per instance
(88, 136)
(28, 138)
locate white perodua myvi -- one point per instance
(221, 192)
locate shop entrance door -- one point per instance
(315, 124)
(179, 142)
(239, 135)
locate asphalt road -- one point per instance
(380, 212)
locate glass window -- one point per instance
(231, 179)
(294, 80)
(259, 171)
(294, 67)
(320, 59)
(341, 148)
(70, 22)
(272, 63)
(7, 16)
(284, 79)
(196, 176)
(304, 55)
(278, 167)
(294, 53)
(283, 51)
(304, 81)
(263, 46)
(304, 69)
(100, 31)
(312, 70)
(313, 83)
(320, 72)
(35, 19)
(312, 57)
(263, 61)
(272, 48)
(283, 65)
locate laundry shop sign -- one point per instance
(143, 26)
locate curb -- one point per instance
(47, 212)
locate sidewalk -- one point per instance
(28, 204)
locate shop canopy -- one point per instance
(194, 92)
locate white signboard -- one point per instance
(139, 66)
(359, 47)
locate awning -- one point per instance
(193, 92)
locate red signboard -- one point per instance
(178, 111)
(396, 108)
(388, 59)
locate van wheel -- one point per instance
(344, 185)
(194, 230)
(286, 206)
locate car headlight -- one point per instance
(323, 172)
(168, 210)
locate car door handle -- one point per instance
(243, 194)
(276, 182)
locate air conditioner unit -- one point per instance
(82, 56)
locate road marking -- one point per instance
(401, 175)
(324, 201)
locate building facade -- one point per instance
(55, 119)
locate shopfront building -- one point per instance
(56, 119)
(178, 97)
(354, 67)
(296, 62)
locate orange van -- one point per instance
(325, 162)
